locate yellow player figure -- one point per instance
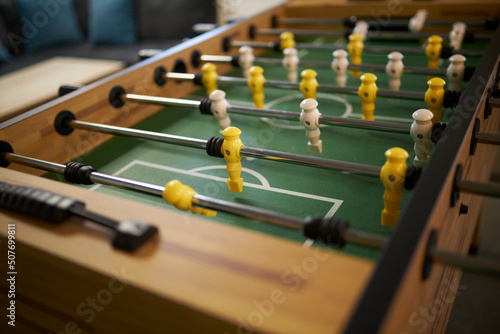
(256, 84)
(393, 174)
(367, 91)
(433, 51)
(355, 48)
(287, 40)
(434, 97)
(231, 150)
(181, 196)
(209, 78)
(308, 84)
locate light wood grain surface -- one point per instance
(34, 85)
(223, 272)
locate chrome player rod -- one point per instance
(244, 151)
(477, 265)
(356, 67)
(394, 22)
(272, 113)
(372, 35)
(367, 48)
(202, 201)
(406, 95)
(326, 64)
(479, 188)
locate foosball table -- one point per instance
(331, 194)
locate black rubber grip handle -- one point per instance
(53, 208)
(38, 203)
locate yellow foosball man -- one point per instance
(355, 48)
(434, 97)
(433, 51)
(256, 84)
(231, 151)
(367, 91)
(392, 175)
(209, 77)
(309, 84)
(181, 196)
(287, 40)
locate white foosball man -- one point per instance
(421, 131)
(291, 63)
(457, 35)
(361, 29)
(340, 65)
(219, 108)
(394, 69)
(246, 59)
(455, 72)
(417, 22)
(310, 118)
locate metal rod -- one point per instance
(355, 67)
(396, 22)
(245, 151)
(249, 212)
(488, 138)
(180, 76)
(468, 263)
(142, 134)
(376, 125)
(479, 188)
(300, 20)
(494, 102)
(216, 59)
(365, 238)
(368, 49)
(327, 88)
(253, 44)
(165, 101)
(323, 119)
(372, 35)
(273, 217)
(273, 113)
(35, 163)
(301, 32)
(307, 160)
(477, 265)
(95, 176)
(121, 182)
(386, 49)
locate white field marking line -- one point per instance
(303, 52)
(257, 175)
(192, 172)
(348, 109)
(118, 172)
(264, 186)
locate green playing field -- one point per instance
(287, 188)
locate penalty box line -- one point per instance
(264, 186)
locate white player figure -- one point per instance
(457, 35)
(291, 63)
(219, 108)
(310, 118)
(394, 69)
(340, 65)
(417, 22)
(421, 130)
(455, 72)
(246, 59)
(361, 29)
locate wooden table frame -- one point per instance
(204, 276)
